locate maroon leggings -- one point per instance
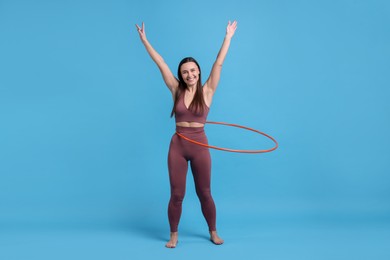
(180, 152)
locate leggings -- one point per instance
(180, 152)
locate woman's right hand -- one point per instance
(170, 80)
(141, 31)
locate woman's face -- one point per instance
(190, 73)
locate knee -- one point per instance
(204, 195)
(177, 197)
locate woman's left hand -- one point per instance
(231, 28)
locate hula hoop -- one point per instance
(233, 150)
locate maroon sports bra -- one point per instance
(183, 114)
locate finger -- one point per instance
(139, 28)
(234, 25)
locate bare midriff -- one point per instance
(190, 124)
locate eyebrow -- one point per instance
(190, 69)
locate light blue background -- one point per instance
(85, 129)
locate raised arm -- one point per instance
(213, 80)
(169, 79)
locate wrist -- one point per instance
(228, 37)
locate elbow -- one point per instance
(218, 63)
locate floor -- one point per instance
(266, 238)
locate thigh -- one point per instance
(201, 169)
(177, 166)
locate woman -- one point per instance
(191, 106)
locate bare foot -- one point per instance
(173, 241)
(215, 238)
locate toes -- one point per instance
(217, 241)
(171, 244)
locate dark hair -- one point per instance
(198, 104)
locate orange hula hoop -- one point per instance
(233, 150)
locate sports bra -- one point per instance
(183, 114)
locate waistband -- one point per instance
(183, 129)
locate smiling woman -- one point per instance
(192, 101)
(190, 94)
